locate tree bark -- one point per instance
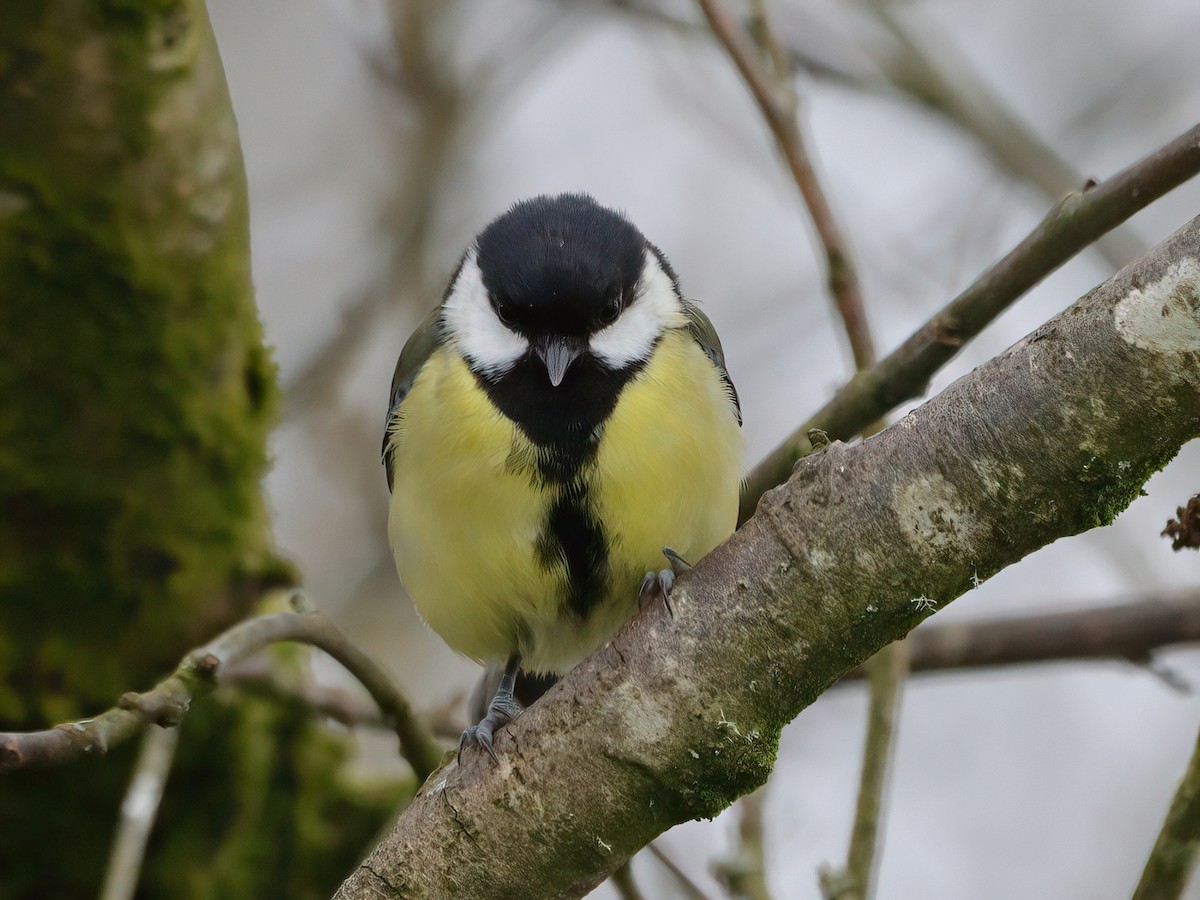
(135, 402)
(678, 716)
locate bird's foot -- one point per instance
(659, 584)
(501, 711)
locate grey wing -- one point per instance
(703, 333)
(416, 351)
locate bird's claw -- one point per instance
(679, 565)
(660, 583)
(501, 711)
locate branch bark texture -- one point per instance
(168, 702)
(678, 716)
(135, 401)
(1073, 224)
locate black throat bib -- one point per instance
(565, 424)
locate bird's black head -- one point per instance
(560, 265)
(557, 305)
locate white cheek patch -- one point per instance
(655, 308)
(473, 325)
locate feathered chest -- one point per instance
(517, 509)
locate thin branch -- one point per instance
(941, 84)
(138, 812)
(886, 673)
(690, 889)
(417, 745)
(777, 102)
(1130, 632)
(946, 83)
(1174, 854)
(1068, 228)
(781, 62)
(167, 702)
(744, 873)
(623, 883)
(1125, 631)
(450, 109)
(795, 58)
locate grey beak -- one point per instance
(558, 355)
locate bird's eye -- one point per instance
(609, 314)
(504, 312)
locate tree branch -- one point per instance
(885, 672)
(623, 883)
(687, 887)
(777, 102)
(679, 715)
(1125, 631)
(904, 373)
(138, 812)
(167, 702)
(944, 82)
(1174, 854)
(744, 872)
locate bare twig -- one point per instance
(167, 702)
(622, 881)
(690, 889)
(795, 58)
(946, 83)
(138, 812)
(437, 99)
(903, 374)
(1130, 632)
(1125, 631)
(777, 102)
(1174, 854)
(744, 873)
(450, 105)
(781, 62)
(886, 672)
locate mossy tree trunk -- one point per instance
(135, 402)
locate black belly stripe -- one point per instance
(565, 424)
(573, 536)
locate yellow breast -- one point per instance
(468, 509)
(465, 515)
(670, 463)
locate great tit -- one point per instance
(557, 421)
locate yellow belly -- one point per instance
(468, 509)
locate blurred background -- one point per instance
(381, 136)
